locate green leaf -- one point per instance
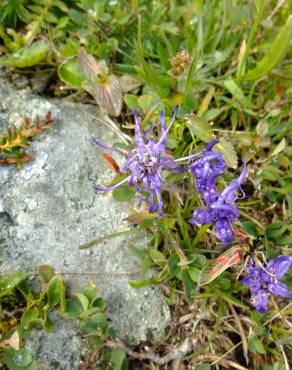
(98, 302)
(236, 92)
(27, 56)
(128, 83)
(96, 323)
(194, 273)
(188, 284)
(28, 317)
(144, 101)
(262, 127)
(83, 300)
(24, 289)
(157, 257)
(276, 229)
(284, 240)
(123, 194)
(19, 360)
(74, 308)
(256, 346)
(108, 237)
(228, 297)
(280, 147)
(200, 234)
(226, 148)
(118, 360)
(212, 114)
(143, 257)
(77, 17)
(46, 272)
(173, 267)
(9, 282)
(203, 367)
(200, 128)
(91, 292)
(142, 283)
(131, 101)
(56, 291)
(274, 366)
(69, 72)
(275, 54)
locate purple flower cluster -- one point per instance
(146, 163)
(221, 209)
(264, 280)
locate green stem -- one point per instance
(108, 237)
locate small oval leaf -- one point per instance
(226, 148)
(69, 72)
(55, 291)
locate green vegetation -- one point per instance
(227, 64)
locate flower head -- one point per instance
(221, 206)
(146, 162)
(264, 281)
(206, 169)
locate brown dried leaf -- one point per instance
(111, 163)
(88, 65)
(109, 95)
(104, 88)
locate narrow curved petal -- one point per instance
(138, 135)
(224, 231)
(201, 217)
(210, 146)
(165, 132)
(281, 289)
(101, 145)
(229, 194)
(279, 266)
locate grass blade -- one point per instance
(275, 54)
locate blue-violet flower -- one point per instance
(264, 280)
(206, 169)
(221, 206)
(146, 163)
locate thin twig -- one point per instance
(246, 215)
(285, 358)
(177, 353)
(277, 314)
(225, 362)
(112, 126)
(241, 331)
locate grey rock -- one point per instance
(49, 208)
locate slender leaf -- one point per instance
(275, 54)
